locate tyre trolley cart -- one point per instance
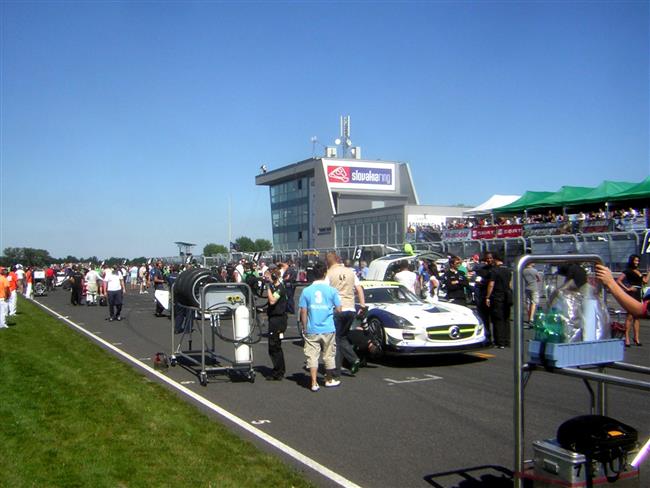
(588, 361)
(214, 303)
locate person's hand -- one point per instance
(604, 275)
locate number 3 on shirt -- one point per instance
(318, 296)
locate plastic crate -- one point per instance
(565, 355)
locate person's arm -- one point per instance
(360, 294)
(303, 319)
(620, 281)
(488, 292)
(122, 284)
(626, 301)
(270, 295)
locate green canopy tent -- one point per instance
(640, 191)
(563, 197)
(520, 205)
(603, 192)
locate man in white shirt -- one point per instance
(406, 277)
(115, 289)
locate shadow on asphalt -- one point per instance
(476, 477)
(433, 361)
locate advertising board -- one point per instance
(358, 175)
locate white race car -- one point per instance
(406, 325)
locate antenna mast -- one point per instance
(345, 141)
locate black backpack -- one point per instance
(599, 438)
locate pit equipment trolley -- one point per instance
(596, 372)
(216, 303)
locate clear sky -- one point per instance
(127, 125)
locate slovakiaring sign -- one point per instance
(353, 175)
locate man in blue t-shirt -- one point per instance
(318, 302)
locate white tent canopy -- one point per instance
(494, 201)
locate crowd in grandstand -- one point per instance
(616, 216)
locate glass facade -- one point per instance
(290, 214)
(381, 229)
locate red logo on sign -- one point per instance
(339, 174)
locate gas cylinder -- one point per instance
(242, 330)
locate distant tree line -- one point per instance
(29, 256)
(241, 244)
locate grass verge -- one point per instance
(72, 415)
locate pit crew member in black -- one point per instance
(455, 282)
(634, 307)
(482, 278)
(158, 284)
(289, 280)
(499, 299)
(276, 293)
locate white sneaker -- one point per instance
(332, 382)
(315, 387)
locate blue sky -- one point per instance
(126, 126)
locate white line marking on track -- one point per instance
(117, 343)
(278, 444)
(98, 332)
(188, 382)
(260, 422)
(144, 359)
(413, 379)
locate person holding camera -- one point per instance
(276, 294)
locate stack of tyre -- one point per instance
(188, 285)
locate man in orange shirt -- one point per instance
(13, 296)
(4, 295)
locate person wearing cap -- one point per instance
(4, 297)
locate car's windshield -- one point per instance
(391, 294)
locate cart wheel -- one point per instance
(203, 378)
(251, 376)
(173, 362)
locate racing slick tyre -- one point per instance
(187, 289)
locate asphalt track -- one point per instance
(428, 421)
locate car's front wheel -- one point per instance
(377, 330)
